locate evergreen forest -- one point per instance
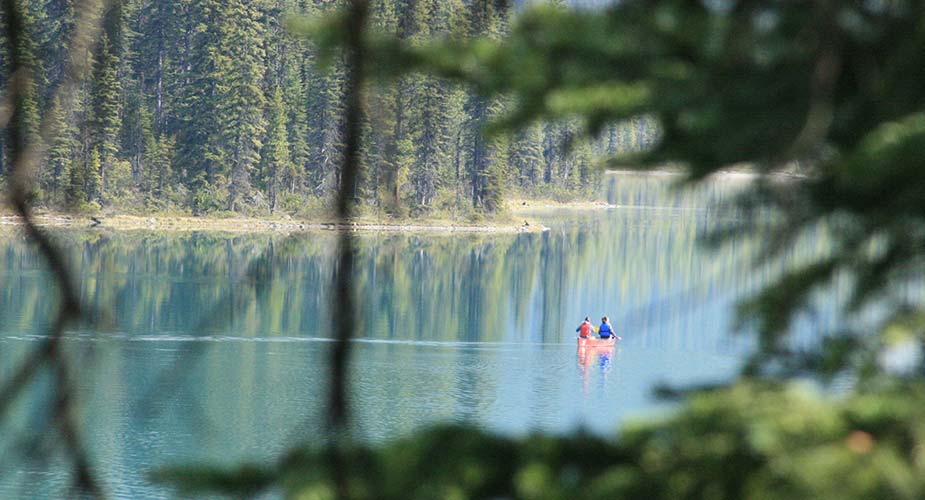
(210, 106)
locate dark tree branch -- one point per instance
(344, 312)
(343, 306)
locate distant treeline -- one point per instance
(209, 105)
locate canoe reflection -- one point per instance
(594, 353)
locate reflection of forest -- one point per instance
(669, 298)
(640, 264)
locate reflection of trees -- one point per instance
(460, 287)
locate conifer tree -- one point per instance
(295, 102)
(158, 173)
(497, 176)
(486, 21)
(277, 165)
(432, 104)
(137, 126)
(107, 122)
(527, 156)
(395, 120)
(28, 112)
(241, 99)
(330, 112)
(92, 177)
(76, 187)
(587, 174)
(61, 154)
(160, 53)
(199, 145)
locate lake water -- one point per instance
(194, 362)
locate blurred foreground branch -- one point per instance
(342, 302)
(25, 151)
(344, 313)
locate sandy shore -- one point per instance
(248, 224)
(525, 207)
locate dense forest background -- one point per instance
(209, 106)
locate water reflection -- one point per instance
(473, 327)
(591, 357)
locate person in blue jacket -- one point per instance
(606, 331)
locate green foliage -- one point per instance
(210, 197)
(76, 185)
(244, 481)
(120, 180)
(751, 440)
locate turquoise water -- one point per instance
(190, 360)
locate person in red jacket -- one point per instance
(585, 328)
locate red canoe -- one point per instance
(596, 342)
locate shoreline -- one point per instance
(743, 172)
(514, 219)
(189, 223)
(526, 207)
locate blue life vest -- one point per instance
(606, 331)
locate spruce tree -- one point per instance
(329, 132)
(137, 125)
(61, 154)
(92, 177)
(76, 188)
(199, 145)
(160, 56)
(485, 175)
(238, 71)
(278, 169)
(527, 159)
(107, 121)
(295, 102)
(157, 176)
(432, 113)
(28, 113)
(395, 118)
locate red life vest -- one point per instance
(585, 329)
